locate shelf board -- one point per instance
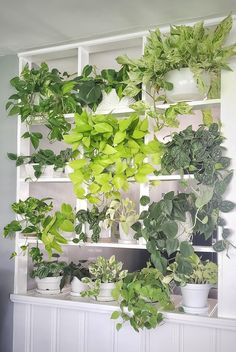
(48, 180)
(118, 111)
(196, 105)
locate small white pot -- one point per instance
(47, 171)
(126, 238)
(68, 170)
(48, 285)
(105, 294)
(185, 228)
(185, 86)
(67, 235)
(195, 298)
(110, 101)
(77, 286)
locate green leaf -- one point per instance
(103, 127)
(119, 137)
(207, 117)
(144, 200)
(219, 246)
(118, 326)
(186, 249)
(170, 228)
(115, 315)
(226, 206)
(172, 245)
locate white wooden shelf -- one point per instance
(117, 111)
(48, 180)
(196, 105)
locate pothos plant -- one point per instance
(194, 271)
(35, 219)
(201, 153)
(122, 212)
(46, 95)
(112, 152)
(48, 269)
(102, 271)
(196, 47)
(94, 219)
(136, 294)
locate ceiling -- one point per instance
(28, 24)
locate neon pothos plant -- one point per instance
(196, 47)
(112, 152)
(135, 294)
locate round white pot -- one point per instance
(110, 101)
(47, 171)
(185, 228)
(126, 238)
(48, 285)
(195, 298)
(67, 235)
(105, 294)
(77, 286)
(68, 170)
(184, 86)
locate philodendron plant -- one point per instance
(122, 212)
(196, 47)
(113, 152)
(136, 294)
(194, 271)
(103, 271)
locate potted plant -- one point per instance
(141, 297)
(113, 152)
(35, 219)
(75, 273)
(92, 221)
(104, 274)
(186, 62)
(48, 276)
(196, 278)
(124, 213)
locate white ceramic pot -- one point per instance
(47, 171)
(67, 235)
(184, 86)
(110, 101)
(126, 238)
(77, 286)
(185, 228)
(105, 294)
(48, 285)
(195, 298)
(68, 170)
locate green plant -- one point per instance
(199, 48)
(123, 212)
(202, 154)
(113, 152)
(159, 227)
(43, 158)
(74, 270)
(192, 270)
(102, 271)
(65, 218)
(36, 220)
(136, 294)
(93, 218)
(48, 269)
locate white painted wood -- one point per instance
(99, 327)
(197, 339)
(227, 278)
(42, 326)
(165, 338)
(196, 105)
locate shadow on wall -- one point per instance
(8, 69)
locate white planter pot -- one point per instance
(105, 294)
(185, 228)
(126, 238)
(110, 101)
(47, 171)
(184, 86)
(195, 298)
(67, 235)
(48, 285)
(77, 287)
(68, 170)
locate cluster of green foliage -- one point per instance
(43, 158)
(114, 151)
(72, 270)
(48, 269)
(92, 218)
(136, 295)
(192, 271)
(102, 271)
(196, 47)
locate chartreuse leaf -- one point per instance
(78, 164)
(119, 137)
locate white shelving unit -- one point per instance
(73, 58)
